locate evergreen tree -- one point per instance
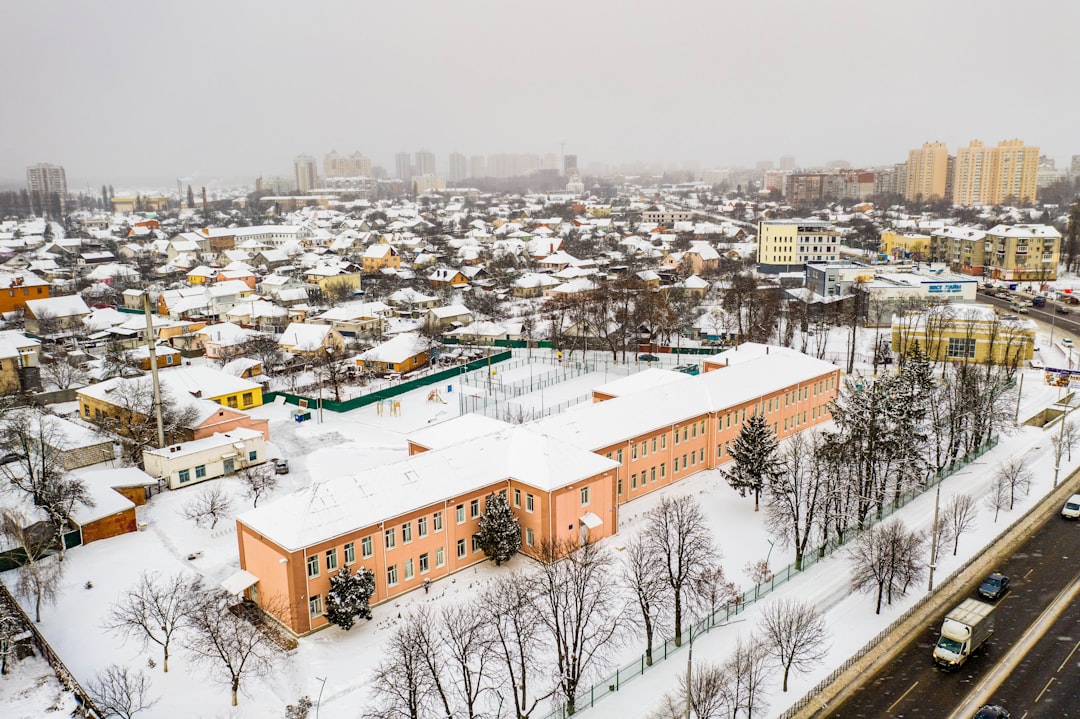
(348, 597)
(755, 461)
(499, 534)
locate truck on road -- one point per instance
(964, 630)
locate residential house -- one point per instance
(260, 313)
(221, 454)
(310, 339)
(445, 277)
(139, 357)
(379, 257)
(404, 353)
(533, 284)
(353, 318)
(410, 303)
(223, 339)
(19, 362)
(326, 275)
(54, 315)
(440, 318)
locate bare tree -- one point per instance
(518, 641)
(959, 515)
(645, 581)
(795, 635)
(1063, 441)
(34, 441)
(257, 480)
(1016, 476)
(579, 611)
(40, 574)
(682, 545)
(154, 610)
(230, 646)
(133, 422)
(466, 651)
(796, 497)
(334, 292)
(714, 589)
(710, 688)
(118, 692)
(209, 506)
(11, 626)
(997, 498)
(748, 670)
(401, 683)
(887, 558)
(62, 373)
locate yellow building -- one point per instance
(1022, 252)
(787, 245)
(962, 248)
(993, 175)
(927, 171)
(900, 246)
(964, 333)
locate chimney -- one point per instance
(204, 197)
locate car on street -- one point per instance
(994, 586)
(648, 358)
(992, 711)
(1061, 309)
(1071, 510)
(1066, 342)
(281, 466)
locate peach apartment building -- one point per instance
(565, 476)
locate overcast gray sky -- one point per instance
(121, 90)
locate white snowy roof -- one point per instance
(218, 439)
(450, 311)
(595, 426)
(304, 337)
(396, 350)
(65, 306)
(457, 430)
(328, 509)
(107, 502)
(646, 379)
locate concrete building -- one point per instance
(43, 181)
(905, 245)
(964, 333)
(354, 165)
(403, 169)
(927, 169)
(963, 249)
(566, 479)
(1022, 252)
(992, 175)
(478, 166)
(787, 245)
(667, 217)
(425, 163)
(458, 168)
(306, 172)
(196, 461)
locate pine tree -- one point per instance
(348, 597)
(499, 534)
(754, 458)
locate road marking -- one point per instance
(1044, 690)
(1075, 646)
(902, 697)
(1029, 573)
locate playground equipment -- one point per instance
(435, 396)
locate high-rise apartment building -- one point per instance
(354, 165)
(307, 173)
(478, 166)
(787, 163)
(457, 168)
(1074, 166)
(990, 175)
(569, 164)
(425, 163)
(43, 181)
(787, 245)
(927, 172)
(403, 166)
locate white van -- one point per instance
(1071, 510)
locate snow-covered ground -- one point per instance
(30, 690)
(344, 660)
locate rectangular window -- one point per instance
(253, 455)
(961, 347)
(366, 547)
(315, 605)
(618, 489)
(663, 441)
(474, 508)
(633, 452)
(529, 537)
(701, 455)
(350, 553)
(408, 569)
(719, 451)
(663, 470)
(530, 503)
(86, 412)
(517, 493)
(633, 481)
(652, 474)
(693, 430)
(440, 557)
(249, 399)
(644, 449)
(460, 548)
(313, 566)
(424, 563)
(703, 427)
(406, 532)
(676, 435)
(684, 437)
(693, 459)
(461, 514)
(200, 471)
(184, 475)
(436, 521)
(618, 456)
(391, 575)
(684, 461)
(584, 496)
(421, 527)
(390, 539)
(331, 560)
(475, 543)
(654, 445)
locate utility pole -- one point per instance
(150, 345)
(933, 537)
(689, 667)
(1061, 438)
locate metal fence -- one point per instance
(724, 614)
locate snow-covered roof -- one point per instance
(640, 381)
(334, 507)
(457, 430)
(395, 350)
(304, 337)
(450, 311)
(65, 306)
(218, 439)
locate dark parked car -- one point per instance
(648, 358)
(994, 586)
(992, 711)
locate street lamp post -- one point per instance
(1058, 449)
(934, 537)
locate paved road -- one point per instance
(911, 686)
(1048, 314)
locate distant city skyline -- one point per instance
(235, 91)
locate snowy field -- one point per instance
(367, 437)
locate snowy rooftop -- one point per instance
(646, 379)
(336, 506)
(396, 350)
(456, 430)
(219, 439)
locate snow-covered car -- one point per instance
(1071, 510)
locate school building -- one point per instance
(565, 478)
